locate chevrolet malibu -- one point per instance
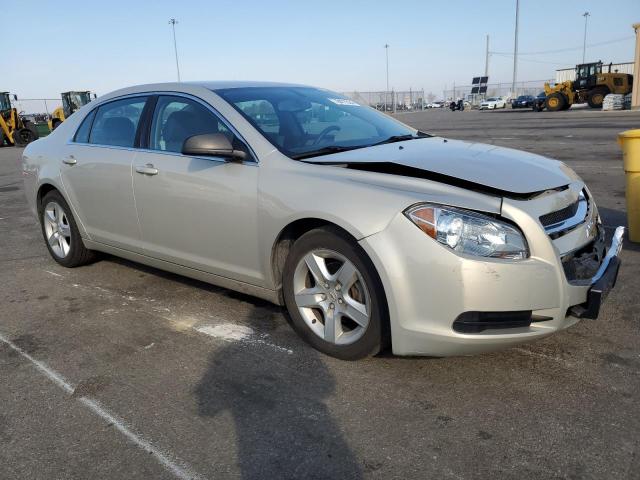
(370, 232)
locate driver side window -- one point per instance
(178, 118)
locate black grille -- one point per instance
(559, 215)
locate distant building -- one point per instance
(565, 74)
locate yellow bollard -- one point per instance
(629, 141)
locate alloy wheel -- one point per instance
(332, 296)
(57, 229)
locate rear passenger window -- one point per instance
(116, 122)
(82, 135)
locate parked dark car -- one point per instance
(539, 102)
(523, 101)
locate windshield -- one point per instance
(5, 103)
(492, 99)
(73, 101)
(523, 97)
(305, 121)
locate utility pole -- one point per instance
(515, 51)
(173, 22)
(486, 59)
(386, 49)
(586, 16)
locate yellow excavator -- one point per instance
(71, 101)
(591, 86)
(13, 129)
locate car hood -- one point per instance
(504, 170)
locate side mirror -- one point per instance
(212, 145)
(15, 97)
(95, 96)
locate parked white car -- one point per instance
(367, 230)
(493, 103)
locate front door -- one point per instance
(195, 211)
(96, 173)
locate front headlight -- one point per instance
(469, 232)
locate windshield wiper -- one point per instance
(402, 138)
(324, 151)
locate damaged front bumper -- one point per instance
(602, 281)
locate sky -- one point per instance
(105, 45)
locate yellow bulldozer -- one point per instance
(71, 101)
(14, 130)
(591, 86)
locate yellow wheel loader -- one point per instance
(71, 101)
(591, 86)
(13, 129)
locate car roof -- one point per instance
(224, 84)
(192, 87)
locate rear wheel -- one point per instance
(595, 97)
(32, 128)
(555, 102)
(334, 295)
(23, 136)
(61, 233)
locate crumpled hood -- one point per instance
(499, 168)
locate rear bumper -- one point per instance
(429, 287)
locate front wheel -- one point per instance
(334, 295)
(595, 98)
(555, 102)
(61, 233)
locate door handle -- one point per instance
(147, 169)
(70, 160)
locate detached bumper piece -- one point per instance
(603, 281)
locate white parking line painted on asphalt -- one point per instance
(94, 406)
(53, 273)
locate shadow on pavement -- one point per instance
(283, 427)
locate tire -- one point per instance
(555, 102)
(34, 131)
(334, 253)
(595, 97)
(55, 214)
(23, 137)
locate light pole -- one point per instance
(586, 16)
(515, 51)
(386, 49)
(486, 59)
(173, 22)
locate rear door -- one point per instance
(96, 172)
(199, 212)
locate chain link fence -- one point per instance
(390, 101)
(533, 87)
(37, 106)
